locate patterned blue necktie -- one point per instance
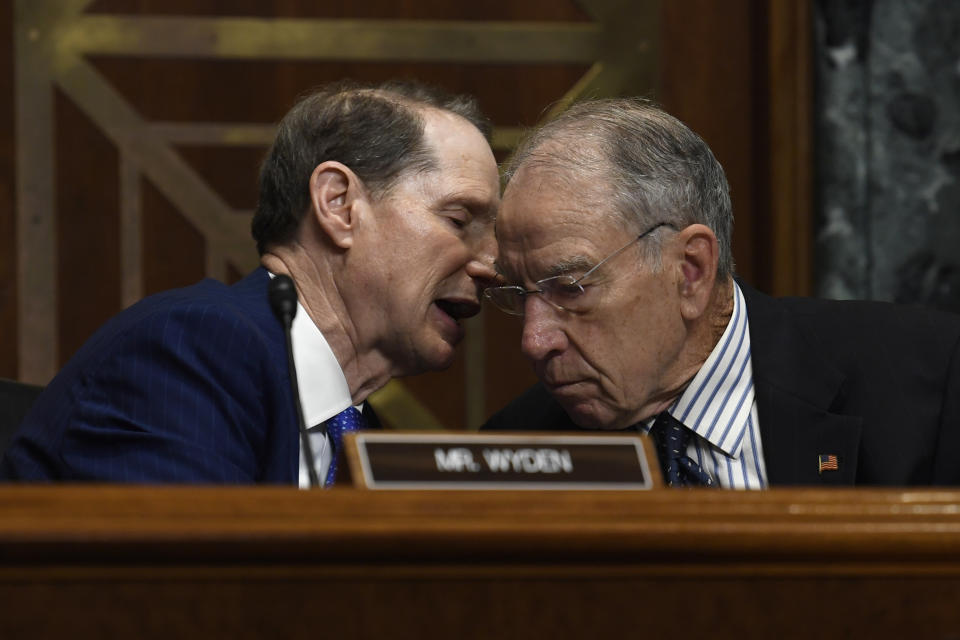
(672, 438)
(347, 421)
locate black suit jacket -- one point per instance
(877, 385)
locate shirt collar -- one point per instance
(717, 403)
(323, 388)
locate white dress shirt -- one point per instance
(323, 390)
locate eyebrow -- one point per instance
(477, 206)
(576, 263)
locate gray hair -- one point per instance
(655, 167)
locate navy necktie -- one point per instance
(679, 469)
(347, 421)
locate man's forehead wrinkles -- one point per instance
(539, 269)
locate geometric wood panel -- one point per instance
(139, 125)
(86, 221)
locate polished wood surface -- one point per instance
(179, 562)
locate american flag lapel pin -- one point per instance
(828, 462)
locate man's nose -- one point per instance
(480, 267)
(542, 331)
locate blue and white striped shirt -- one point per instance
(719, 406)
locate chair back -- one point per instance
(16, 398)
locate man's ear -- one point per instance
(335, 196)
(699, 254)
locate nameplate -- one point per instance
(445, 460)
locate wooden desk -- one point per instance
(122, 562)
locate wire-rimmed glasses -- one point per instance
(563, 292)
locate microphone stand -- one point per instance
(283, 300)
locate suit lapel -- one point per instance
(371, 417)
(795, 390)
(795, 434)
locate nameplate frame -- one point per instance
(497, 461)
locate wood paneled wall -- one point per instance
(735, 71)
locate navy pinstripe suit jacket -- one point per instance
(187, 386)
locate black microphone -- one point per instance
(283, 300)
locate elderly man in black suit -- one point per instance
(615, 248)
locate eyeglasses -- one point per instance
(564, 292)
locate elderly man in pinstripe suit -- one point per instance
(614, 247)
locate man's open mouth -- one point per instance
(458, 309)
